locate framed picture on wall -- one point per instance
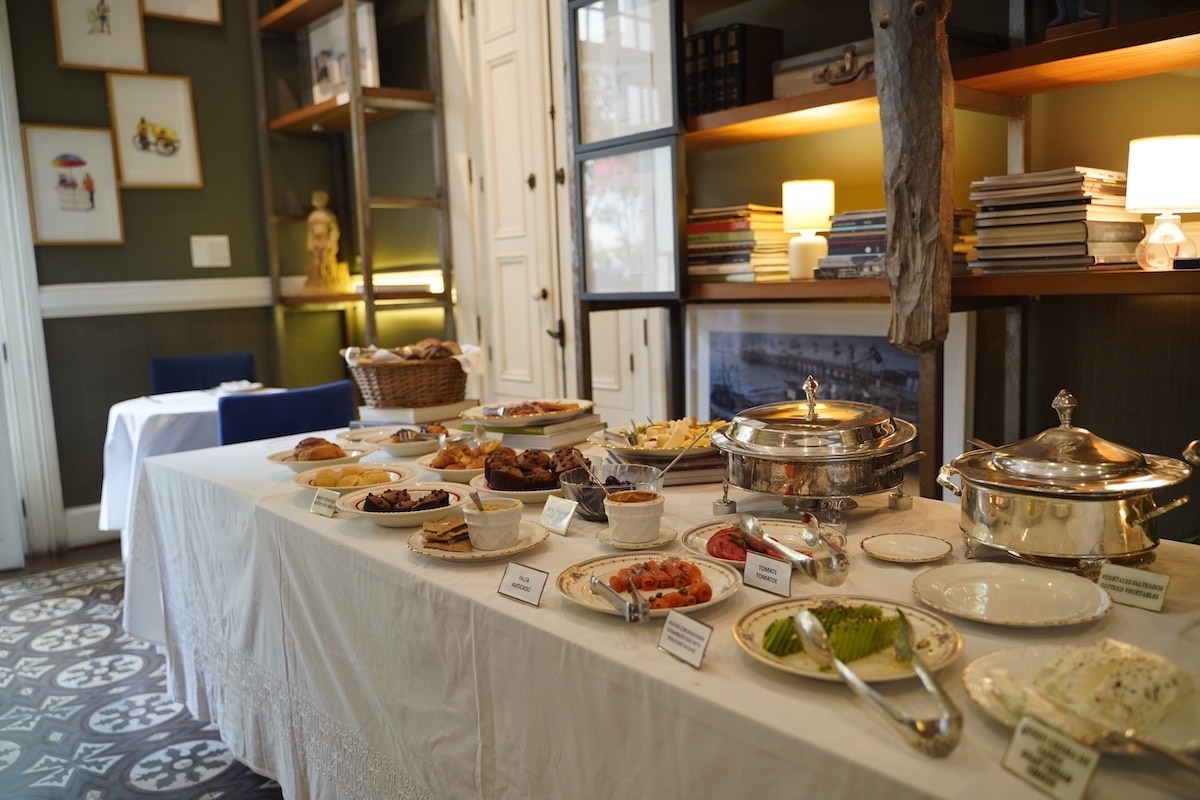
(100, 34)
(207, 12)
(745, 356)
(155, 127)
(72, 177)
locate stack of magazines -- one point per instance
(1069, 219)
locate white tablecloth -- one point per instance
(343, 664)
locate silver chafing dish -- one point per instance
(817, 454)
(1064, 498)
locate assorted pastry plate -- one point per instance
(383, 439)
(526, 496)
(530, 412)
(1015, 595)
(353, 504)
(352, 455)
(785, 531)
(447, 474)
(351, 477)
(906, 548)
(938, 642)
(532, 534)
(574, 581)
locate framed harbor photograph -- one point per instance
(207, 12)
(745, 356)
(73, 195)
(100, 34)
(155, 127)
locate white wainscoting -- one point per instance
(149, 297)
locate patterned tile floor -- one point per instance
(83, 714)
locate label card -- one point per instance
(1057, 764)
(768, 574)
(557, 514)
(325, 502)
(1134, 587)
(684, 638)
(523, 583)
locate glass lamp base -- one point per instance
(1164, 243)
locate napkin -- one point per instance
(235, 387)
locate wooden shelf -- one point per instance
(333, 116)
(989, 83)
(1126, 51)
(295, 14)
(1114, 282)
(382, 295)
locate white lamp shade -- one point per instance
(807, 205)
(1163, 175)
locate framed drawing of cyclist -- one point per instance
(206, 12)
(100, 34)
(72, 177)
(155, 128)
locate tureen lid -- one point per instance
(1069, 459)
(814, 429)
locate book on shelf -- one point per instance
(737, 210)
(1061, 175)
(1058, 249)
(875, 269)
(703, 72)
(759, 276)
(1056, 263)
(716, 237)
(1029, 216)
(411, 416)
(1053, 199)
(730, 267)
(852, 260)
(1070, 231)
(749, 53)
(863, 216)
(772, 222)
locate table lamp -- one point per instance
(807, 207)
(1163, 178)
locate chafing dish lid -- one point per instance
(1071, 459)
(814, 429)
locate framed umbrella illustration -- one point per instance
(72, 180)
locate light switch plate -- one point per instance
(211, 251)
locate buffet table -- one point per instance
(343, 664)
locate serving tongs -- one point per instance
(636, 609)
(932, 736)
(829, 569)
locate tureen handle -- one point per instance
(810, 394)
(1064, 404)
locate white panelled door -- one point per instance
(626, 348)
(521, 301)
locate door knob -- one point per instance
(532, 180)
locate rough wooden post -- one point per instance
(916, 109)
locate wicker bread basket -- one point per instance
(411, 384)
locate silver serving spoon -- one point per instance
(936, 737)
(475, 499)
(827, 571)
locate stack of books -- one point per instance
(857, 245)
(550, 436)
(729, 66)
(1067, 219)
(737, 243)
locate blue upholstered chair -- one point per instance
(201, 371)
(244, 417)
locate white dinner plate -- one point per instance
(1023, 665)
(574, 584)
(785, 530)
(530, 497)
(532, 534)
(382, 438)
(397, 473)
(937, 641)
(352, 504)
(481, 413)
(1017, 595)
(354, 454)
(906, 548)
(665, 537)
(455, 475)
(238, 387)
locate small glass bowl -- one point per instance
(577, 485)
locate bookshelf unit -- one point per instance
(1002, 84)
(341, 125)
